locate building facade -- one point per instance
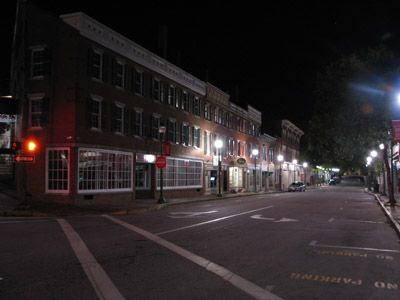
(95, 103)
(287, 159)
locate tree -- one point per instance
(353, 110)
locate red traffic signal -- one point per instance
(31, 146)
(16, 146)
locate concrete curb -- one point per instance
(394, 222)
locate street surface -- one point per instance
(333, 242)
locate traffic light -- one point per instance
(16, 146)
(31, 146)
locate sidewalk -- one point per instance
(9, 205)
(392, 212)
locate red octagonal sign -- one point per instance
(161, 162)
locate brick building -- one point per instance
(94, 102)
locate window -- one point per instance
(185, 101)
(271, 154)
(119, 119)
(39, 62)
(196, 137)
(238, 151)
(119, 74)
(207, 144)
(157, 89)
(138, 123)
(172, 95)
(181, 173)
(104, 171)
(97, 65)
(96, 113)
(197, 106)
(172, 126)
(57, 170)
(37, 112)
(186, 135)
(155, 124)
(207, 111)
(264, 153)
(139, 83)
(231, 147)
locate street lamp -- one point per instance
(382, 147)
(161, 200)
(218, 145)
(255, 154)
(280, 159)
(305, 166)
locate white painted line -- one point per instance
(212, 221)
(237, 281)
(101, 283)
(331, 220)
(314, 244)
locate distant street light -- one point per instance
(218, 145)
(255, 154)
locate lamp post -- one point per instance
(218, 145)
(280, 159)
(305, 166)
(161, 200)
(382, 147)
(255, 154)
(294, 169)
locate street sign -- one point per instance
(167, 148)
(25, 158)
(161, 162)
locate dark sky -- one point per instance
(265, 54)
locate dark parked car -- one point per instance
(297, 186)
(332, 182)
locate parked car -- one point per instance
(332, 182)
(337, 179)
(297, 186)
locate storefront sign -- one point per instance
(241, 161)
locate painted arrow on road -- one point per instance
(259, 217)
(189, 214)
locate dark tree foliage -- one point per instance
(353, 108)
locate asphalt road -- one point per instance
(333, 242)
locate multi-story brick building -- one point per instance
(287, 148)
(95, 101)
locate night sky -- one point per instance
(267, 56)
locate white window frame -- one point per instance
(101, 169)
(38, 114)
(138, 123)
(39, 64)
(180, 171)
(196, 137)
(98, 67)
(56, 172)
(121, 120)
(119, 76)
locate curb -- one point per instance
(395, 224)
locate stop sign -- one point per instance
(161, 162)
